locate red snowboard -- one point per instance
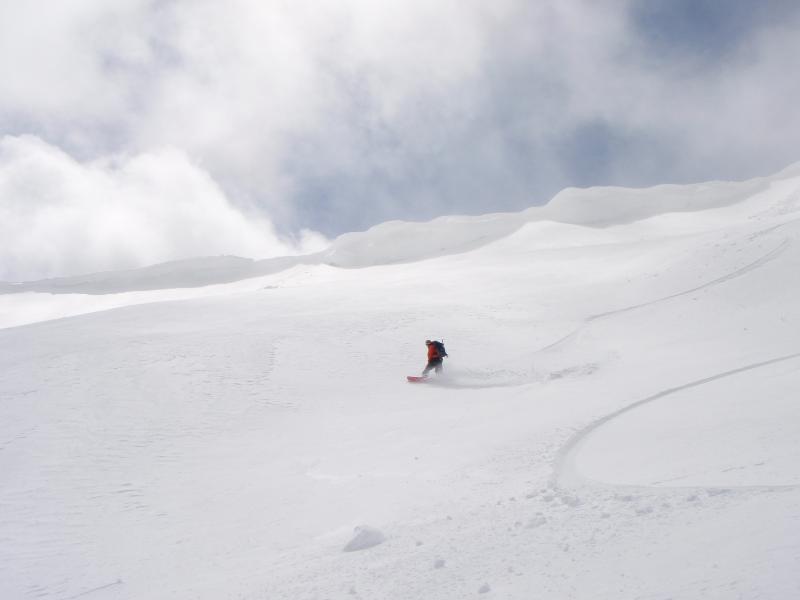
(416, 378)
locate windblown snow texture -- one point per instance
(617, 417)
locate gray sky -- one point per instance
(140, 130)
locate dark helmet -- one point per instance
(428, 342)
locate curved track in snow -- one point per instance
(563, 476)
(759, 262)
(517, 382)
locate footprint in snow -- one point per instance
(536, 522)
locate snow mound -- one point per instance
(572, 217)
(189, 273)
(401, 241)
(605, 206)
(365, 537)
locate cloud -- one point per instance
(60, 217)
(335, 116)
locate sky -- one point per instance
(141, 131)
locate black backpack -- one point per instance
(440, 348)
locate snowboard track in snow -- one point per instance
(562, 464)
(769, 256)
(518, 382)
(97, 589)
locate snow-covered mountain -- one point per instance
(618, 416)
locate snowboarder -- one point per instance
(436, 354)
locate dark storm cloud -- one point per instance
(704, 32)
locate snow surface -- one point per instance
(618, 417)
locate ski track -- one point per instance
(773, 254)
(562, 478)
(562, 471)
(527, 380)
(769, 256)
(97, 589)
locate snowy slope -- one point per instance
(617, 419)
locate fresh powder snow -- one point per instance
(618, 417)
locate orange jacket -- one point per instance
(433, 353)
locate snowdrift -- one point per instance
(399, 241)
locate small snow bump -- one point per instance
(439, 564)
(365, 537)
(484, 589)
(536, 522)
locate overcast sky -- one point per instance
(137, 131)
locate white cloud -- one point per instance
(338, 114)
(71, 62)
(60, 217)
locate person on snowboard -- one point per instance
(436, 354)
